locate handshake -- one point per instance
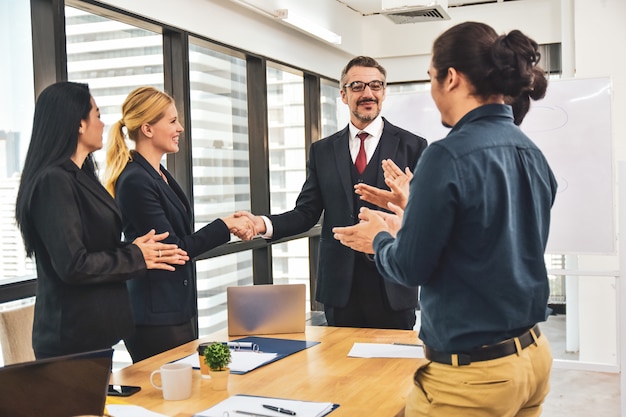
(245, 225)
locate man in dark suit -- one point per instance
(349, 285)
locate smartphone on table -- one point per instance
(122, 390)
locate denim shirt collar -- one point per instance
(486, 110)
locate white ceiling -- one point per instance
(369, 7)
(366, 30)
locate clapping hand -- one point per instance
(394, 221)
(361, 236)
(159, 255)
(397, 181)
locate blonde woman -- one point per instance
(164, 302)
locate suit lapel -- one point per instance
(341, 150)
(173, 191)
(388, 146)
(178, 201)
(93, 187)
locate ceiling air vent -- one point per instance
(413, 11)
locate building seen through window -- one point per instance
(16, 117)
(221, 173)
(287, 161)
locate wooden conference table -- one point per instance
(324, 372)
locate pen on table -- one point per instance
(251, 413)
(279, 409)
(408, 344)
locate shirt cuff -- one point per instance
(380, 239)
(269, 228)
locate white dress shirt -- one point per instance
(375, 131)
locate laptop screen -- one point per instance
(63, 386)
(266, 309)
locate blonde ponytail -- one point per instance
(118, 155)
(142, 105)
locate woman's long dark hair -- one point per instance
(58, 113)
(494, 64)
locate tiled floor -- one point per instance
(582, 394)
(576, 393)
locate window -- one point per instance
(113, 58)
(287, 160)
(214, 276)
(16, 114)
(221, 174)
(330, 101)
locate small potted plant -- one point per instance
(217, 357)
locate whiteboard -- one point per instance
(572, 127)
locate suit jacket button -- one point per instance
(185, 282)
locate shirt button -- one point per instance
(185, 282)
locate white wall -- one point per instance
(227, 22)
(599, 31)
(403, 48)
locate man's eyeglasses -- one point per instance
(358, 86)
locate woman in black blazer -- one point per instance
(73, 227)
(164, 303)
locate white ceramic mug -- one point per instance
(175, 381)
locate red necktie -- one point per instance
(361, 159)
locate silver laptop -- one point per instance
(56, 387)
(266, 309)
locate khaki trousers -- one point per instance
(512, 386)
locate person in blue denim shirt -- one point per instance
(474, 232)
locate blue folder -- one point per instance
(282, 347)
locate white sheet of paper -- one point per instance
(252, 404)
(385, 350)
(124, 410)
(193, 360)
(244, 360)
(241, 360)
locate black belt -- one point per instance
(485, 353)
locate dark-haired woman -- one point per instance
(474, 234)
(73, 228)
